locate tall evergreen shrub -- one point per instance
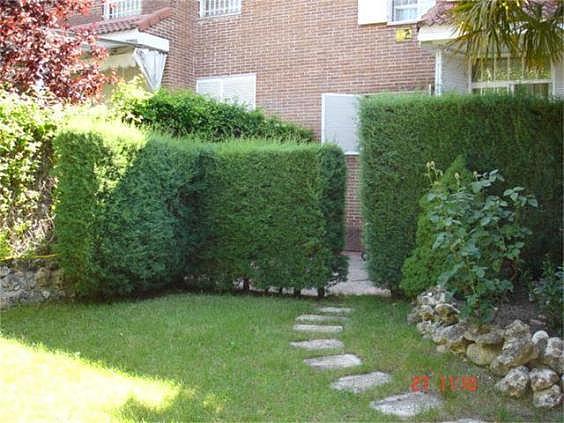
(520, 136)
(269, 210)
(125, 217)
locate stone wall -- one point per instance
(30, 283)
(532, 365)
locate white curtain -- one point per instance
(152, 63)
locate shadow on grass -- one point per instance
(214, 350)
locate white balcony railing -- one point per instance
(211, 8)
(115, 9)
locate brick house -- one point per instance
(307, 61)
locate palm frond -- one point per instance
(531, 29)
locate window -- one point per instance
(404, 10)
(382, 11)
(238, 89)
(211, 8)
(115, 9)
(509, 75)
(410, 10)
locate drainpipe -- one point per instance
(439, 71)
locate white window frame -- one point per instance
(509, 84)
(393, 9)
(222, 79)
(218, 8)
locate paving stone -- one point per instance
(331, 362)
(357, 288)
(361, 383)
(309, 292)
(407, 405)
(466, 421)
(318, 318)
(318, 328)
(335, 310)
(318, 344)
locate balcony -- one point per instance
(116, 9)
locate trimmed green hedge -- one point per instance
(138, 212)
(124, 213)
(184, 113)
(268, 210)
(520, 136)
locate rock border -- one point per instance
(527, 362)
(30, 283)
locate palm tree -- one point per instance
(530, 29)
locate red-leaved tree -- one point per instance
(38, 49)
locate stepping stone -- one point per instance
(360, 383)
(332, 362)
(318, 318)
(407, 405)
(357, 288)
(309, 292)
(335, 310)
(466, 421)
(318, 344)
(318, 328)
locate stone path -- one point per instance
(335, 310)
(401, 406)
(357, 282)
(318, 344)
(361, 383)
(407, 405)
(332, 362)
(318, 318)
(318, 328)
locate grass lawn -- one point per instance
(199, 357)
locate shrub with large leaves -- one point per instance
(423, 267)
(479, 233)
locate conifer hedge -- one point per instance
(125, 219)
(271, 216)
(520, 136)
(140, 211)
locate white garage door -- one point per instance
(339, 121)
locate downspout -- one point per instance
(439, 71)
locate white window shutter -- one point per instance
(240, 90)
(210, 87)
(423, 6)
(373, 11)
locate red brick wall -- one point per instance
(353, 218)
(302, 48)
